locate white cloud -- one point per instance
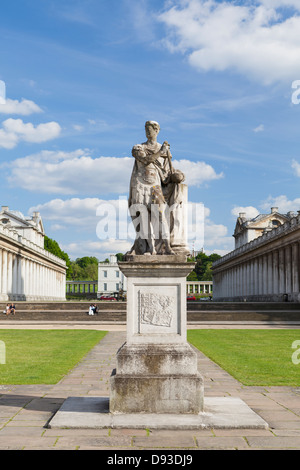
(77, 127)
(296, 166)
(196, 173)
(78, 173)
(73, 173)
(253, 38)
(80, 213)
(250, 211)
(8, 140)
(15, 130)
(23, 107)
(259, 128)
(282, 202)
(216, 238)
(281, 3)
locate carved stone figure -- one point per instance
(154, 193)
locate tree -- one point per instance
(53, 247)
(84, 269)
(76, 272)
(203, 268)
(86, 260)
(192, 276)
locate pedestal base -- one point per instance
(156, 368)
(93, 413)
(156, 379)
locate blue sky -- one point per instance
(82, 77)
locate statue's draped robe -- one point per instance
(151, 183)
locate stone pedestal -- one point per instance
(156, 383)
(156, 368)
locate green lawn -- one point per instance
(254, 357)
(43, 356)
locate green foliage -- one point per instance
(192, 276)
(53, 247)
(203, 268)
(84, 269)
(86, 261)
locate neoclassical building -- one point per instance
(27, 270)
(110, 279)
(265, 266)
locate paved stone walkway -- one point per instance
(26, 409)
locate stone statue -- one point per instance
(155, 191)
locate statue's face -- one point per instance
(152, 130)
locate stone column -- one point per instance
(4, 273)
(295, 267)
(265, 275)
(288, 270)
(281, 266)
(270, 274)
(0, 272)
(9, 273)
(260, 275)
(275, 273)
(15, 277)
(255, 276)
(23, 276)
(248, 278)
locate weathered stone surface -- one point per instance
(156, 299)
(157, 199)
(182, 394)
(156, 368)
(156, 360)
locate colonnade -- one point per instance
(266, 269)
(28, 272)
(199, 287)
(81, 287)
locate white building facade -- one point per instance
(265, 269)
(27, 271)
(110, 279)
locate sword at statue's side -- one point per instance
(166, 146)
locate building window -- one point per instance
(275, 223)
(117, 274)
(117, 287)
(105, 273)
(105, 286)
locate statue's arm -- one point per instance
(140, 154)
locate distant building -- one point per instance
(247, 229)
(265, 265)
(110, 278)
(27, 270)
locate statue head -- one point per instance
(152, 127)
